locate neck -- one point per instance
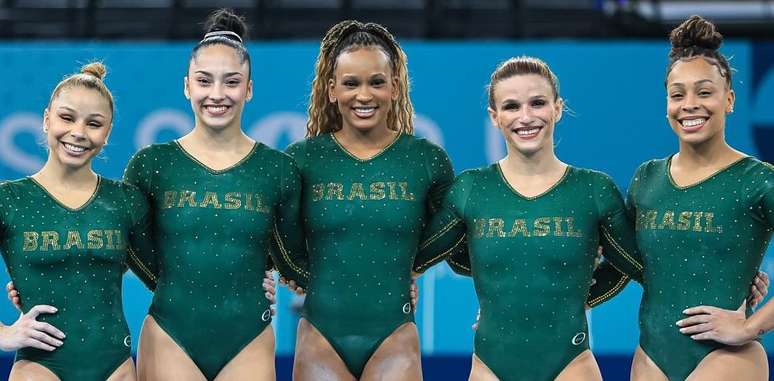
(226, 139)
(374, 137)
(66, 177)
(538, 163)
(705, 154)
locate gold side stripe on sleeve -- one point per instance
(285, 254)
(133, 257)
(609, 293)
(460, 265)
(620, 249)
(441, 232)
(422, 267)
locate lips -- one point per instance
(364, 112)
(216, 110)
(526, 132)
(74, 150)
(693, 124)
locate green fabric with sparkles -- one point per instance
(364, 220)
(532, 260)
(213, 231)
(74, 260)
(702, 245)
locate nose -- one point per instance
(216, 92)
(525, 115)
(78, 130)
(690, 103)
(364, 94)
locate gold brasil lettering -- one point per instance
(695, 221)
(522, 227)
(109, 239)
(213, 200)
(380, 190)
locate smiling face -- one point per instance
(363, 88)
(218, 86)
(526, 112)
(77, 124)
(698, 99)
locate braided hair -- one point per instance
(343, 37)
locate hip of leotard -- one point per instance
(537, 358)
(74, 354)
(197, 315)
(211, 303)
(355, 322)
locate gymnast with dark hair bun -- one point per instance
(704, 219)
(219, 200)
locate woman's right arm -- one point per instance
(445, 236)
(142, 259)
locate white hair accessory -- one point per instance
(222, 33)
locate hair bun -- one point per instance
(225, 20)
(95, 69)
(696, 31)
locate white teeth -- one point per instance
(364, 111)
(527, 131)
(73, 148)
(693, 122)
(216, 109)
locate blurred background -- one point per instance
(610, 57)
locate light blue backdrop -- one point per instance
(614, 90)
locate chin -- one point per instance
(364, 125)
(217, 124)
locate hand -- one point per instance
(712, 323)
(28, 332)
(759, 289)
(598, 257)
(414, 293)
(271, 290)
(13, 295)
(478, 317)
(292, 286)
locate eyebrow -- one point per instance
(210, 74)
(72, 110)
(369, 76)
(532, 98)
(696, 83)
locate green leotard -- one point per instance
(702, 245)
(532, 260)
(364, 220)
(212, 231)
(73, 259)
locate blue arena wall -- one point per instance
(614, 91)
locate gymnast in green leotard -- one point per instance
(705, 217)
(532, 225)
(66, 228)
(369, 188)
(218, 201)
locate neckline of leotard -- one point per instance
(547, 191)
(702, 181)
(63, 205)
(212, 170)
(376, 155)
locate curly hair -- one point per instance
(346, 36)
